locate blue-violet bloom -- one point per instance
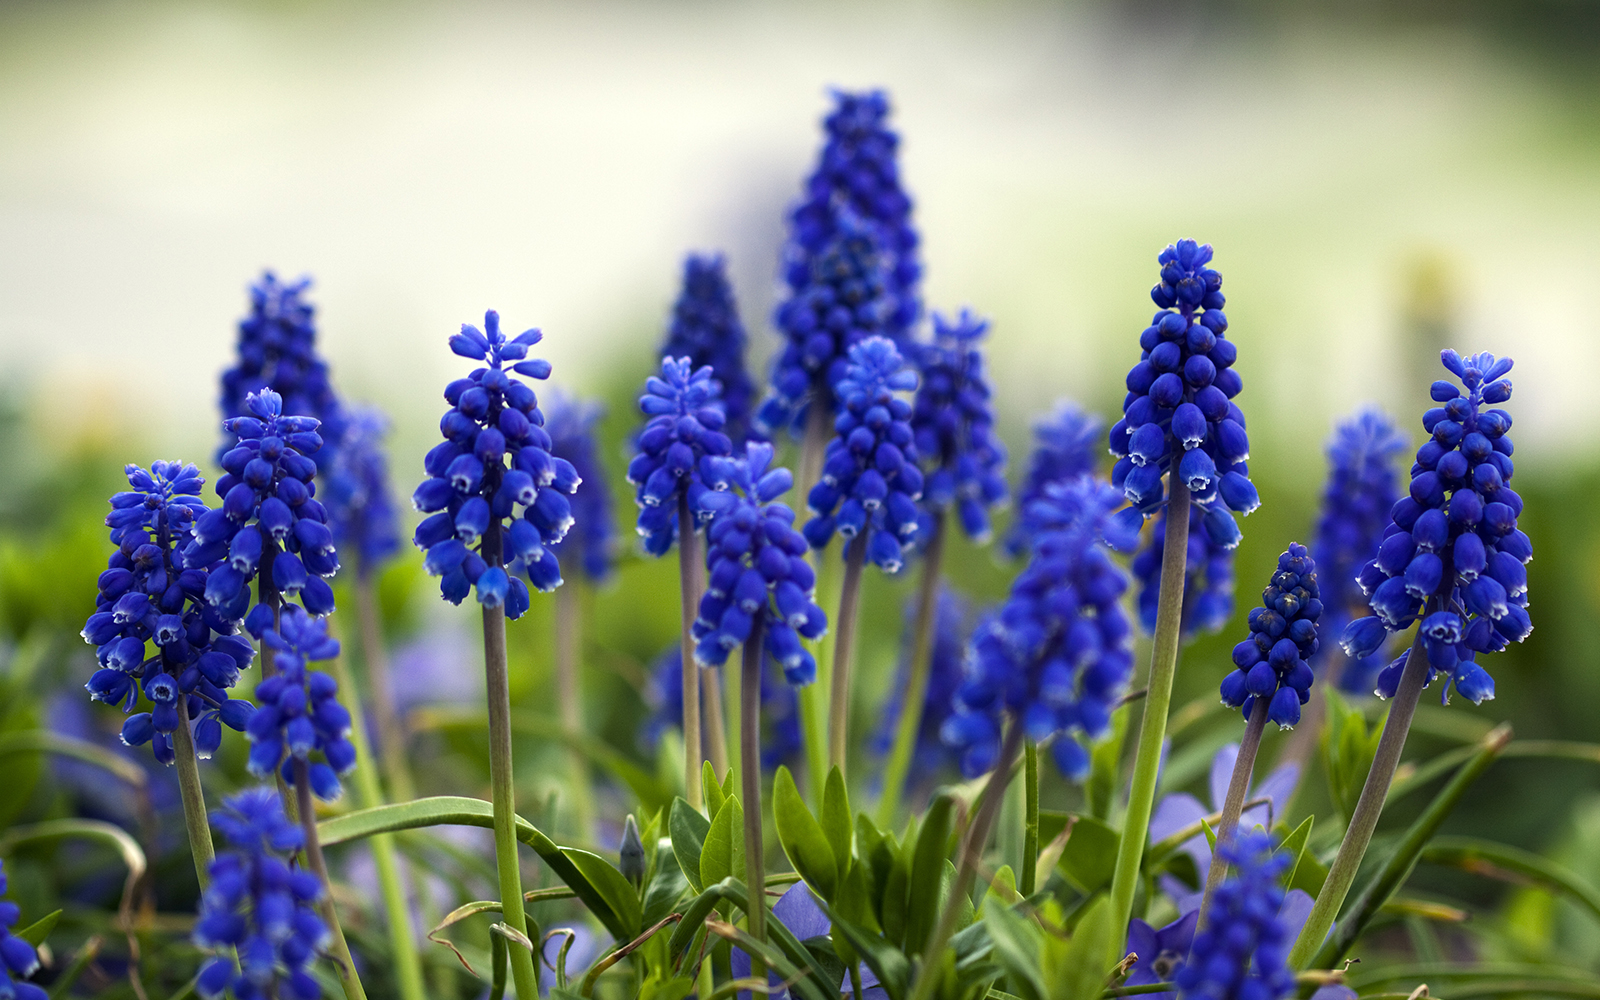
(1274, 662)
(781, 737)
(361, 510)
(592, 540)
(1066, 444)
(930, 757)
(300, 714)
(1242, 952)
(952, 424)
(706, 329)
(684, 430)
(1161, 952)
(18, 959)
(277, 348)
(1208, 592)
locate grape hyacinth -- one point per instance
(470, 491)
(1240, 954)
(706, 329)
(1067, 444)
(1452, 555)
(870, 480)
(952, 424)
(591, 541)
(1363, 485)
(1058, 654)
(277, 349)
(259, 905)
(144, 597)
(18, 959)
(781, 738)
(300, 712)
(361, 511)
(683, 432)
(757, 567)
(1177, 415)
(1274, 662)
(930, 755)
(1208, 592)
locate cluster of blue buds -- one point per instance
(1242, 953)
(706, 329)
(1452, 556)
(1058, 655)
(591, 541)
(1208, 590)
(782, 739)
(269, 516)
(1363, 485)
(1066, 445)
(952, 424)
(144, 597)
(1178, 415)
(470, 492)
(300, 712)
(846, 301)
(683, 433)
(946, 666)
(259, 906)
(277, 348)
(870, 481)
(757, 567)
(18, 959)
(1274, 662)
(356, 490)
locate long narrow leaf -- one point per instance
(45, 741)
(1482, 857)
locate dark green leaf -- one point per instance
(1079, 973)
(36, 932)
(1017, 942)
(722, 854)
(688, 830)
(615, 889)
(667, 886)
(1090, 855)
(802, 837)
(713, 791)
(835, 821)
(924, 892)
(1101, 787)
(891, 967)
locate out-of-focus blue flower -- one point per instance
(706, 330)
(146, 598)
(1161, 952)
(592, 539)
(471, 492)
(300, 714)
(361, 511)
(930, 757)
(870, 481)
(1274, 663)
(1363, 485)
(1452, 555)
(781, 738)
(277, 348)
(684, 430)
(757, 567)
(1066, 444)
(259, 906)
(797, 910)
(1057, 656)
(1208, 592)
(952, 423)
(1178, 416)
(18, 960)
(1241, 954)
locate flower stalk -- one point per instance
(1233, 804)
(844, 653)
(1030, 822)
(916, 691)
(345, 965)
(689, 602)
(194, 799)
(750, 781)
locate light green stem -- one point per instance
(502, 791)
(916, 690)
(1030, 823)
(689, 600)
(1153, 724)
(194, 799)
(343, 963)
(819, 428)
(844, 653)
(1244, 766)
(750, 778)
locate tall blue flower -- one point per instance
(930, 756)
(18, 960)
(269, 516)
(706, 330)
(1274, 662)
(1363, 485)
(277, 349)
(1242, 952)
(1452, 556)
(1058, 655)
(1177, 415)
(1208, 594)
(471, 491)
(870, 480)
(757, 567)
(300, 714)
(146, 597)
(1067, 444)
(684, 431)
(259, 906)
(360, 509)
(781, 737)
(592, 539)
(952, 424)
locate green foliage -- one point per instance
(1348, 747)
(803, 839)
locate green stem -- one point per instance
(735, 681)
(916, 689)
(819, 429)
(498, 684)
(345, 965)
(1030, 827)
(844, 652)
(569, 656)
(689, 600)
(750, 778)
(1153, 724)
(375, 657)
(194, 799)
(1364, 819)
(1233, 804)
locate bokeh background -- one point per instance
(1379, 181)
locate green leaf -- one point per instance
(713, 791)
(1502, 861)
(723, 852)
(1309, 874)
(730, 890)
(892, 911)
(802, 837)
(667, 886)
(1017, 943)
(1294, 844)
(38, 741)
(836, 824)
(1101, 787)
(650, 838)
(1079, 972)
(36, 932)
(924, 894)
(891, 967)
(612, 886)
(1211, 835)
(676, 988)
(854, 903)
(688, 830)
(1347, 750)
(1090, 855)
(1003, 890)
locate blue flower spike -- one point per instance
(300, 716)
(1178, 415)
(259, 907)
(277, 349)
(148, 596)
(18, 959)
(683, 434)
(495, 460)
(782, 740)
(1274, 663)
(757, 567)
(1066, 444)
(591, 542)
(361, 510)
(930, 757)
(952, 425)
(706, 329)
(1242, 952)
(1208, 592)
(1452, 558)
(870, 480)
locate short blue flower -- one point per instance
(1208, 592)
(300, 714)
(496, 457)
(757, 567)
(259, 906)
(1452, 557)
(1242, 952)
(1178, 416)
(145, 598)
(782, 740)
(684, 431)
(706, 330)
(1066, 444)
(870, 481)
(361, 511)
(1058, 655)
(931, 757)
(592, 540)
(1274, 663)
(952, 424)
(277, 348)
(1363, 485)
(18, 959)
(1161, 952)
